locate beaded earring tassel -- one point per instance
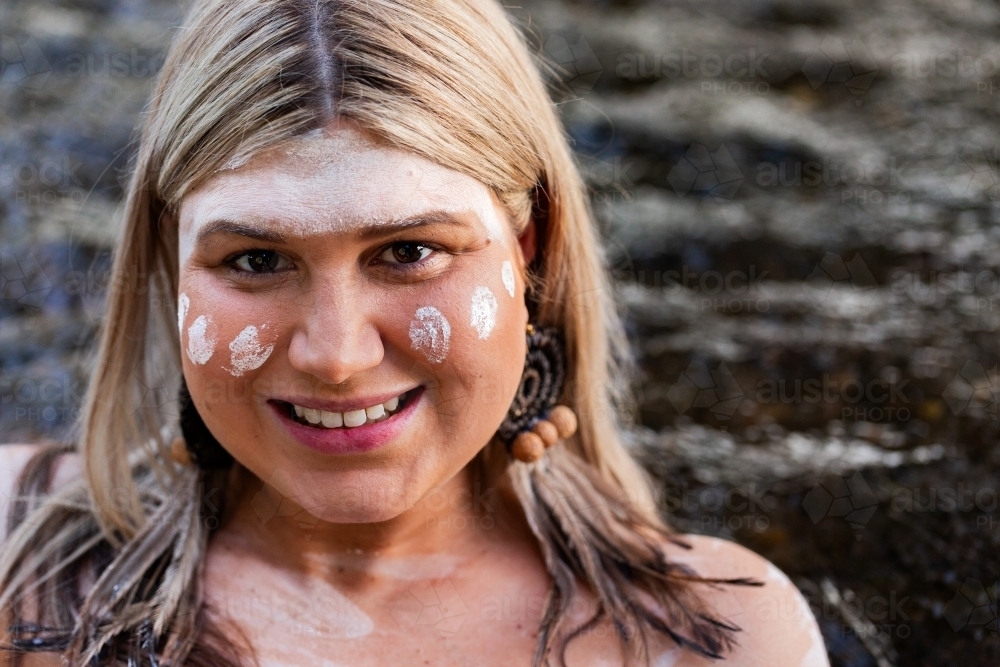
(534, 421)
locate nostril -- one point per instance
(334, 349)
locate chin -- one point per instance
(369, 496)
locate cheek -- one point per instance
(507, 277)
(461, 325)
(183, 304)
(466, 316)
(430, 333)
(247, 352)
(201, 340)
(483, 311)
(472, 338)
(198, 330)
(223, 337)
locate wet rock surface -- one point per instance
(801, 206)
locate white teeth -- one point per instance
(350, 419)
(355, 418)
(332, 419)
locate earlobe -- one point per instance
(528, 240)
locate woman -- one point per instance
(356, 246)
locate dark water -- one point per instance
(801, 204)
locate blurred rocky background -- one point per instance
(801, 202)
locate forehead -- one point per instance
(331, 181)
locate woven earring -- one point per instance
(534, 421)
(197, 445)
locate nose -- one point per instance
(337, 337)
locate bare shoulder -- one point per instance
(778, 628)
(13, 459)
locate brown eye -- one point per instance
(406, 252)
(260, 261)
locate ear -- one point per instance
(528, 241)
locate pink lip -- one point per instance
(349, 440)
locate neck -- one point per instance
(437, 533)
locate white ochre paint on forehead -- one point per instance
(815, 655)
(333, 183)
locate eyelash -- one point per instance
(401, 267)
(250, 275)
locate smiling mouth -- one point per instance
(329, 421)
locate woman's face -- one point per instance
(352, 320)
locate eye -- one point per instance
(260, 261)
(405, 252)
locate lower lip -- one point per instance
(347, 440)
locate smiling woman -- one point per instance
(359, 284)
(381, 278)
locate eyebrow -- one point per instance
(365, 231)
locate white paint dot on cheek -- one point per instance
(484, 312)
(201, 346)
(507, 275)
(247, 352)
(430, 333)
(183, 303)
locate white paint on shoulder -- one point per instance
(816, 655)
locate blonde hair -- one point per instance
(453, 81)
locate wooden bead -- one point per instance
(528, 447)
(564, 420)
(179, 452)
(547, 431)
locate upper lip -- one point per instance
(342, 405)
